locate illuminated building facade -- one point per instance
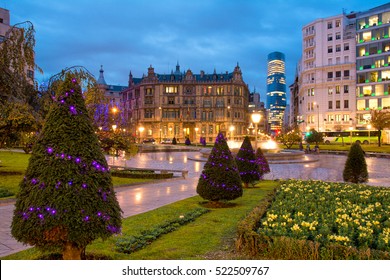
(372, 62)
(187, 105)
(276, 90)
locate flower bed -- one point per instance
(331, 220)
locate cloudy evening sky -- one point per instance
(130, 35)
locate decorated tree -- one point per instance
(220, 179)
(66, 199)
(246, 163)
(355, 169)
(262, 162)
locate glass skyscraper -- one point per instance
(276, 90)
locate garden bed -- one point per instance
(319, 220)
(140, 174)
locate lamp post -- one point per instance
(256, 119)
(196, 132)
(369, 132)
(141, 129)
(318, 116)
(160, 121)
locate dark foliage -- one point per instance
(355, 169)
(220, 179)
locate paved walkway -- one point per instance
(145, 197)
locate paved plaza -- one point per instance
(145, 197)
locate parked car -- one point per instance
(149, 141)
(166, 141)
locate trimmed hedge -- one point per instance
(130, 244)
(140, 174)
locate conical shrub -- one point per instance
(355, 169)
(220, 179)
(246, 163)
(262, 162)
(66, 199)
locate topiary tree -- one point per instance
(262, 162)
(355, 169)
(66, 199)
(220, 179)
(187, 141)
(246, 163)
(174, 141)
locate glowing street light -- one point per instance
(141, 129)
(196, 132)
(256, 119)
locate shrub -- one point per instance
(246, 163)
(136, 174)
(220, 179)
(174, 141)
(130, 244)
(355, 169)
(187, 142)
(66, 199)
(262, 162)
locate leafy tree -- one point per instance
(262, 162)
(313, 136)
(355, 169)
(246, 163)
(18, 90)
(220, 179)
(16, 118)
(380, 120)
(66, 199)
(289, 137)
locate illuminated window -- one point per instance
(171, 89)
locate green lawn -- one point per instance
(211, 236)
(17, 163)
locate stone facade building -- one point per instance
(186, 105)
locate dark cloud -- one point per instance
(204, 35)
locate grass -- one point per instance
(15, 162)
(210, 236)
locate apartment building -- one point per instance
(326, 91)
(372, 62)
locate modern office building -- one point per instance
(372, 62)
(184, 104)
(276, 90)
(326, 96)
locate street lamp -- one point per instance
(256, 119)
(196, 132)
(160, 122)
(114, 127)
(141, 129)
(318, 116)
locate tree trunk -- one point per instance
(71, 252)
(379, 137)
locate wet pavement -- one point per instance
(145, 197)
